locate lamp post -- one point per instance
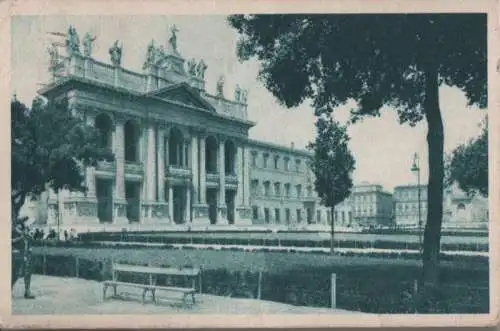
(415, 168)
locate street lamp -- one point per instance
(415, 168)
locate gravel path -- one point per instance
(57, 296)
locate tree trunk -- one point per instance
(435, 141)
(332, 228)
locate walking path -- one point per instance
(57, 296)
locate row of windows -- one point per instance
(287, 215)
(266, 185)
(413, 194)
(278, 162)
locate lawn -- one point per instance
(363, 283)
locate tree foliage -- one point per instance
(468, 165)
(395, 60)
(332, 163)
(50, 148)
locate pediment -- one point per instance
(183, 94)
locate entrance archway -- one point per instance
(103, 188)
(229, 157)
(104, 126)
(175, 152)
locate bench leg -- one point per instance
(144, 294)
(114, 290)
(153, 292)
(104, 288)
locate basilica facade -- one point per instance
(182, 155)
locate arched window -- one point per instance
(131, 141)
(229, 157)
(211, 155)
(175, 148)
(104, 126)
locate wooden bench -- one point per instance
(152, 273)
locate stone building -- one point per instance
(406, 205)
(459, 210)
(182, 155)
(371, 205)
(282, 186)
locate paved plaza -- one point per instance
(57, 295)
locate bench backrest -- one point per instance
(119, 267)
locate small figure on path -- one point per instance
(21, 245)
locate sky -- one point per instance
(383, 148)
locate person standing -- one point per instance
(21, 246)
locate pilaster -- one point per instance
(222, 208)
(119, 202)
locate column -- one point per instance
(120, 214)
(160, 177)
(194, 167)
(90, 171)
(171, 202)
(239, 173)
(203, 176)
(150, 164)
(246, 176)
(222, 185)
(187, 217)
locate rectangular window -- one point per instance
(318, 216)
(287, 190)
(266, 188)
(254, 160)
(277, 215)
(297, 165)
(299, 191)
(276, 162)
(265, 159)
(287, 164)
(255, 212)
(277, 189)
(255, 187)
(299, 215)
(287, 215)
(266, 215)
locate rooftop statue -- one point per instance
(237, 93)
(220, 86)
(115, 53)
(160, 54)
(200, 69)
(88, 41)
(173, 38)
(192, 67)
(244, 95)
(54, 56)
(72, 42)
(150, 56)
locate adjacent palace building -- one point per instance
(183, 156)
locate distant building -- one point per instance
(371, 205)
(343, 213)
(406, 205)
(462, 211)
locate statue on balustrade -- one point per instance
(200, 69)
(88, 42)
(72, 42)
(192, 67)
(220, 87)
(244, 95)
(237, 93)
(115, 53)
(173, 38)
(150, 56)
(160, 54)
(54, 56)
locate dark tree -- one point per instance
(332, 165)
(468, 165)
(49, 148)
(398, 60)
